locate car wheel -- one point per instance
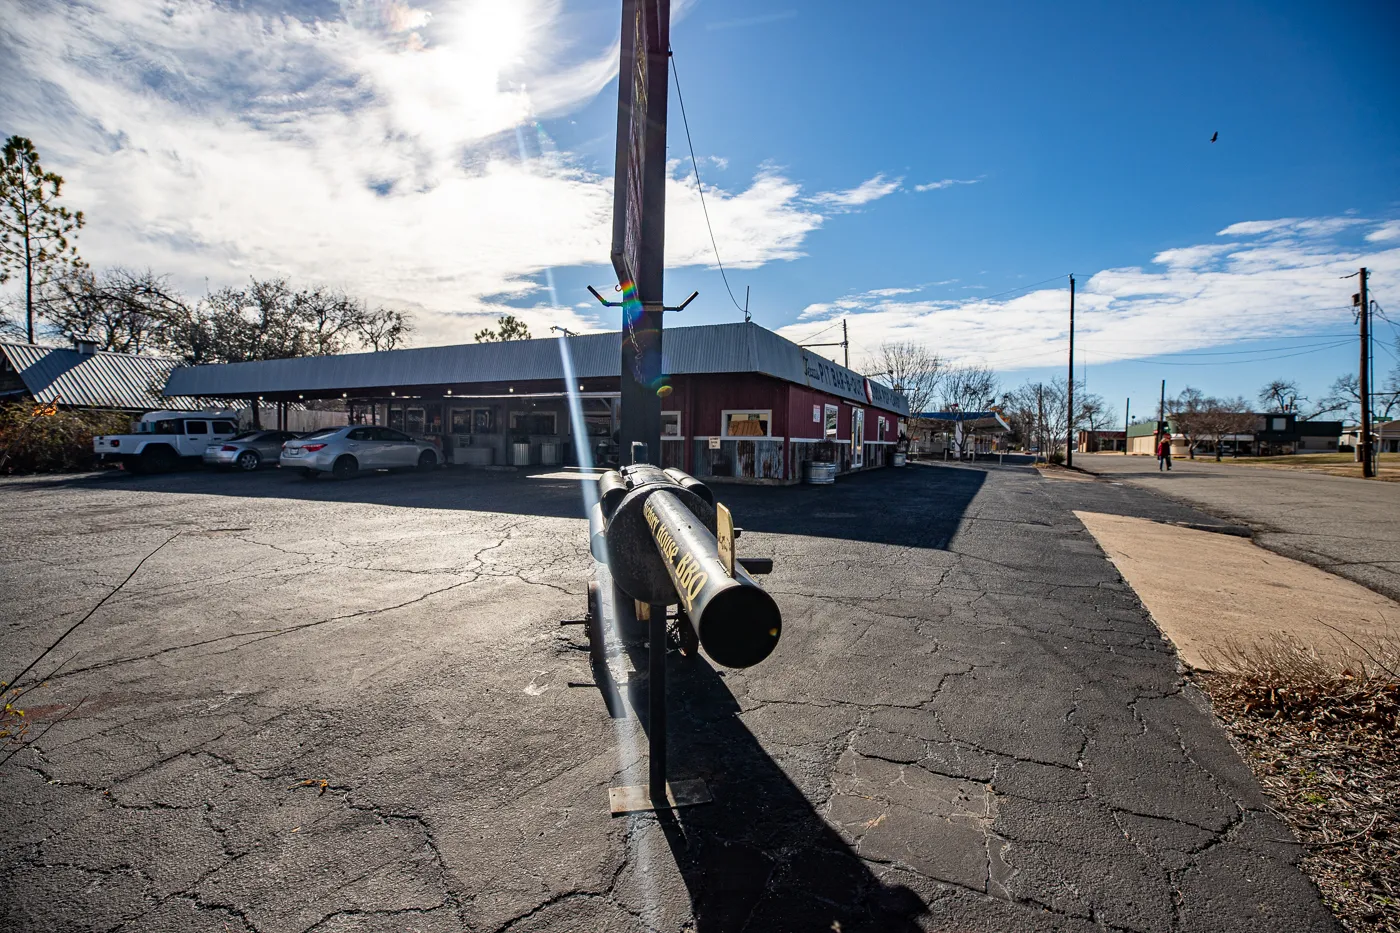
(345, 467)
(133, 465)
(249, 461)
(158, 460)
(427, 461)
(308, 474)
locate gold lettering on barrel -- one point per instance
(690, 579)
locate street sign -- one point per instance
(639, 215)
(632, 132)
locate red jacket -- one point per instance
(1164, 447)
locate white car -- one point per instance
(347, 450)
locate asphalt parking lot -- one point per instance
(350, 707)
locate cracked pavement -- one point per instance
(350, 707)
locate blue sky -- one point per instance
(442, 156)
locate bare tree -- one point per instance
(1280, 395)
(1188, 413)
(967, 388)
(120, 309)
(1222, 418)
(266, 320)
(912, 369)
(383, 329)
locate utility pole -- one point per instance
(845, 343)
(1127, 410)
(1368, 468)
(1162, 410)
(1040, 420)
(1069, 431)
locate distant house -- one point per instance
(1274, 433)
(1388, 432)
(1094, 441)
(86, 378)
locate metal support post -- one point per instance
(656, 705)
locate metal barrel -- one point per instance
(612, 487)
(736, 621)
(689, 482)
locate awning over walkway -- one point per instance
(709, 349)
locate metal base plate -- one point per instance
(636, 798)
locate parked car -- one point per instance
(248, 450)
(347, 450)
(164, 440)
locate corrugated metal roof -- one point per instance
(708, 349)
(98, 380)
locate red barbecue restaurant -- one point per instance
(747, 404)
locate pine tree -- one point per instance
(35, 230)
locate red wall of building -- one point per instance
(800, 402)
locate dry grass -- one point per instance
(1387, 465)
(1320, 736)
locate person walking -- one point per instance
(1164, 453)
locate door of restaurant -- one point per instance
(857, 438)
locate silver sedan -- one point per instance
(347, 450)
(248, 450)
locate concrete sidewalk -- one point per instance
(1209, 592)
(1350, 527)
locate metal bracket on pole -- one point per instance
(617, 304)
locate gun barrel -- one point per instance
(736, 621)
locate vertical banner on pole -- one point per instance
(639, 216)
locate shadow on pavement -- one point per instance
(760, 857)
(874, 507)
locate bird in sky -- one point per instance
(1214, 136)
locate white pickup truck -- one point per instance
(165, 440)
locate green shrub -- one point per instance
(1057, 457)
(55, 443)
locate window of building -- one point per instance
(533, 422)
(746, 423)
(833, 412)
(483, 421)
(882, 425)
(1280, 424)
(395, 416)
(670, 424)
(413, 420)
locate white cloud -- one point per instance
(870, 190)
(378, 149)
(1386, 232)
(1282, 278)
(946, 183)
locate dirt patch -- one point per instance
(1321, 741)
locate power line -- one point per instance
(695, 164)
(810, 337)
(1264, 359)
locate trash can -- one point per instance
(899, 458)
(549, 454)
(818, 474)
(520, 453)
